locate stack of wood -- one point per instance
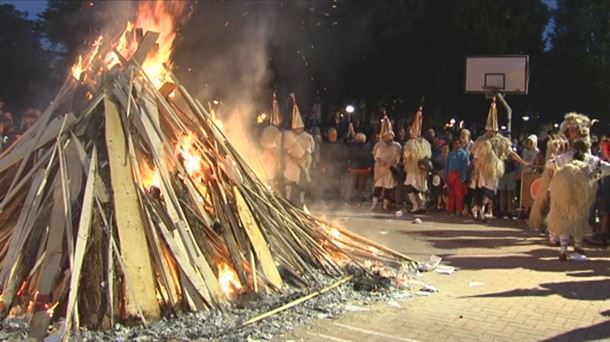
(130, 203)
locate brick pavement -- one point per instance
(508, 287)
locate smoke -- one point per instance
(223, 57)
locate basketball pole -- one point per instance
(509, 111)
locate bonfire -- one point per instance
(127, 202)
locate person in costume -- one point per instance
(490, 151)
(572, 191)
(299, 147)
(386, 155)
(566, 199)
(416, 158)
(558, 153)
(271, 143)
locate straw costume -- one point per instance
(299, 146)
(416, 158)
(490, 151)
(386, 154)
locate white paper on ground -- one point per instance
(578, 257)
(355, 308)
(444, 269)
(475, 284)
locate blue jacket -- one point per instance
(457, 160)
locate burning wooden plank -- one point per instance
(129, 223)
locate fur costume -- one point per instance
(416, 149)
(572, 192)
(556, 146)
(490, 151)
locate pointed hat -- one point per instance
(415, 130)
(386, 126)
(276, 116)
(297, 120)
(492, 117)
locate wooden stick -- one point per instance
(295, 302)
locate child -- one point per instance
(456, 175)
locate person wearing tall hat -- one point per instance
(568, 184)
(271, 143)
(416, 157)
(386, 154)
(299, 147)
(490, 151)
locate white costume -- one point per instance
(271, 141)
(299, 146)
(416, 149)
(299, 149)
(389, 154)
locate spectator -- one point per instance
(456, 176)
(402, 136)
(333, 165)
(530, 154)
(359, 165)
(466, 140)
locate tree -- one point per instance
(580, 58)
(24, 64)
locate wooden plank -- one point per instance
(82, 237)
(258, 241)
(47, 135)
(148, 42)
(129, 221)
(52, 263)
(172, 204)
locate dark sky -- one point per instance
(33, 7)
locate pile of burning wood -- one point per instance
(126, 201)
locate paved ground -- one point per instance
(509, 286)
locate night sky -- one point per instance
(33, 7)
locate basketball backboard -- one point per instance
(507, 74)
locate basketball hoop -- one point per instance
(490, 92)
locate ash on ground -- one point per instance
(364, 289)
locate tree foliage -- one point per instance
(24, 64)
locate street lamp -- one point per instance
(525, 118)
(349, 109)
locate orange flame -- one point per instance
(84, 64)
(228, 280)
(192, 160)
(155, 16)
(50, 308)
(150, 177)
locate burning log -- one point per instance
(141, 191)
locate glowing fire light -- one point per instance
(262, 117)
(228, 280)
(83, 64)
(155, 16)
(191, 159)
(50, 308)
(150, 177)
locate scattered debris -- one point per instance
(417, 220)
(399, 213)
(578, 257)
(475, 284)
(442, 269)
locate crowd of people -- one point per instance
(450, 171)
(10, 130)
